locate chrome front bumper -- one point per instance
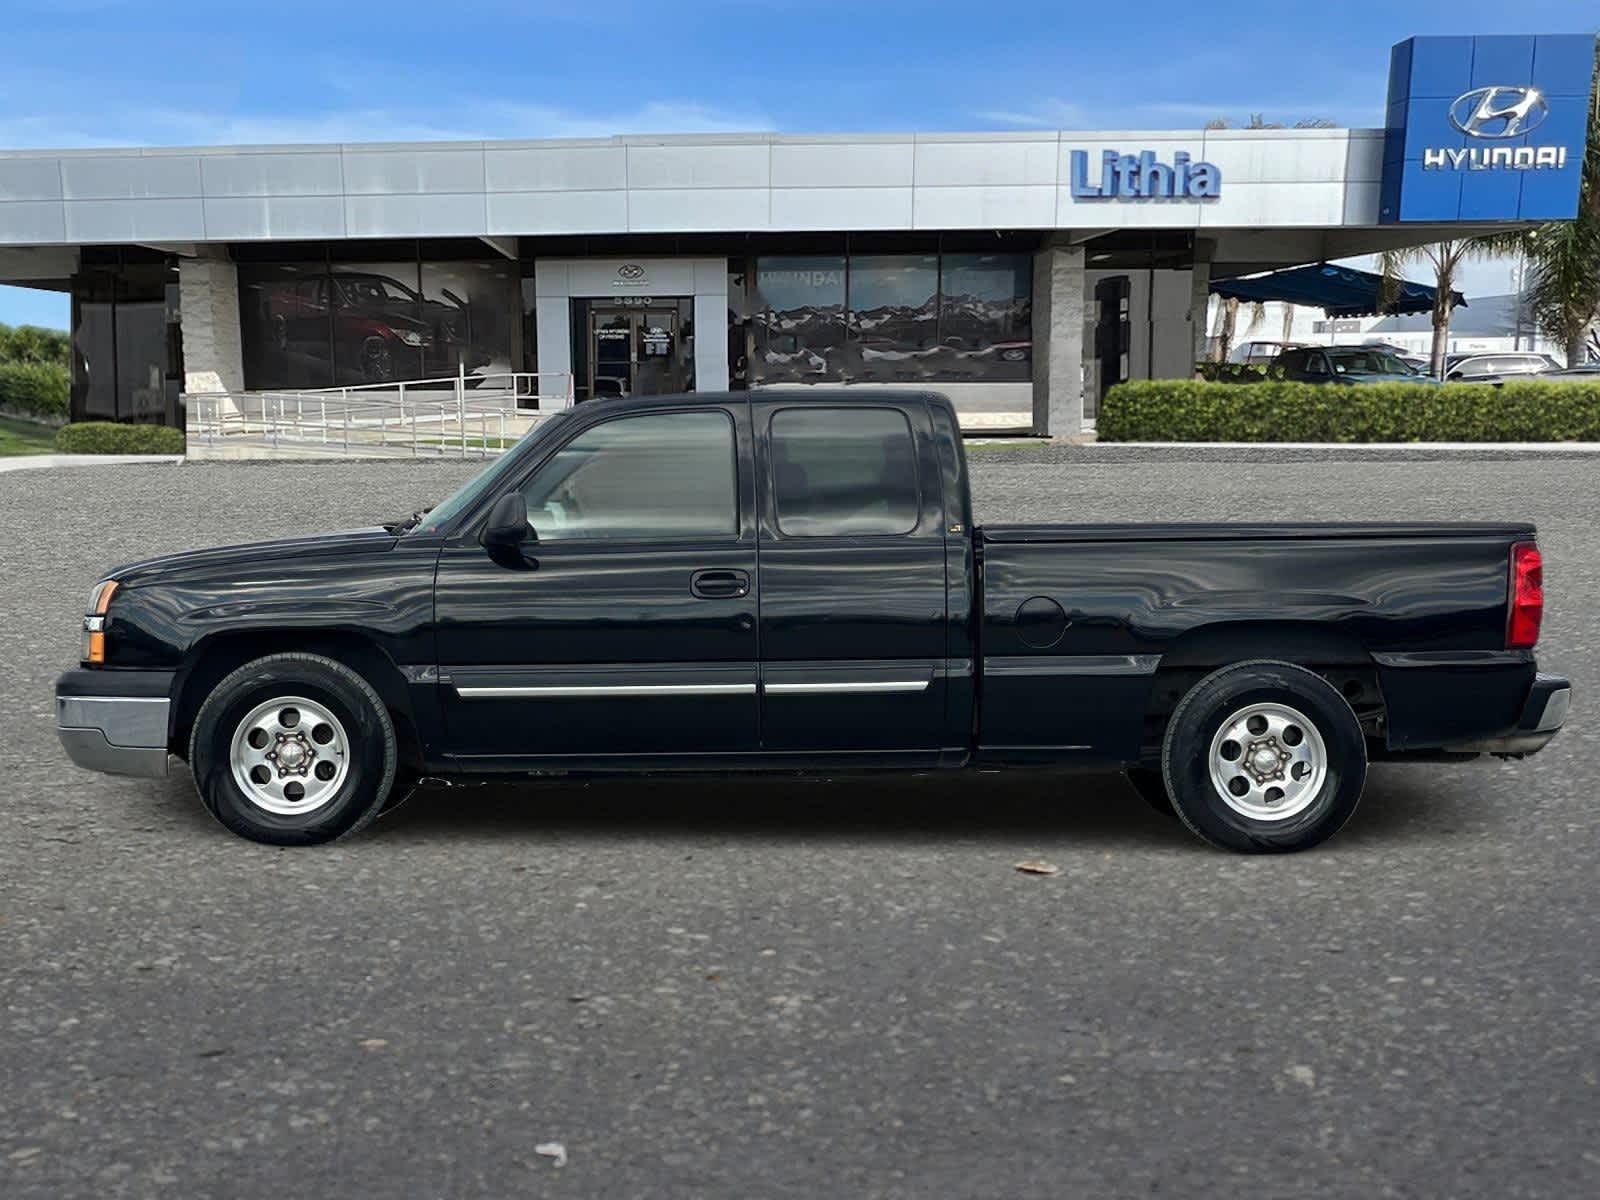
(1543, 715)
(104, 730)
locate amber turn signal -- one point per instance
(94, 624)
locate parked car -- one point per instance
(1344, 364)
(1493, 367)
(1417, 362)
(383, 329)
(1259, 353)
(1586, 373)
(786, 582)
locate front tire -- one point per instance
(293, 750)
(1264, 757)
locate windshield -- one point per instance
(487, 479)
(374, 290)
(1370, 362)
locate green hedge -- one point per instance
(1187, 410)
(34, 390)
(108, 437)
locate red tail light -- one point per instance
(1527, 596)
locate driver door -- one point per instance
(628, 627)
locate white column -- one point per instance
(711, 325)
(1058, 302)
(208, 298)
(552, 320)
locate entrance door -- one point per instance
(610, 353)
(635, 352)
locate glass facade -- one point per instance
(341, 323)
(127, 353)
(800, 309)
(798, 319)
(892, 318)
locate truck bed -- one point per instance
(1078, 620)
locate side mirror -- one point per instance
(508, 522)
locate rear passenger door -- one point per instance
(851, 556)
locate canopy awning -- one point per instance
(1338, 291)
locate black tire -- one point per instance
(372, 755)
(1198, 721)
(1152, 788)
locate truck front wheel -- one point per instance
(292, 750)
(1264, 757)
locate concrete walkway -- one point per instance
(24, 462)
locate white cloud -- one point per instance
(466, 119)
(1048, 112)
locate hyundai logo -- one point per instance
(630, 271)
(1499, 112)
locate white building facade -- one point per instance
(1022, 273)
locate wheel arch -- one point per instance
(215, 656)
(1338, 655)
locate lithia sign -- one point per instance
(1143, 177)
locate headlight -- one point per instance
(94, 621)
(410, 337)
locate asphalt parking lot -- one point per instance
(790, 989)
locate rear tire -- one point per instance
(293, 750)
(1264, 757)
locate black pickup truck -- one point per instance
(792, 581)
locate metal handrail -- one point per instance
(405, 415)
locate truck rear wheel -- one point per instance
(293, 750)
(1264, 757)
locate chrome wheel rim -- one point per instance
(289, 755)
(1268, 762)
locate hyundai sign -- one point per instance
(1486, 128)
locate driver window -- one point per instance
(670, 475)
(1316, 364)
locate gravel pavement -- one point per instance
(780, 989)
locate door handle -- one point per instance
(719, 584)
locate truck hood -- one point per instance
(285, 550)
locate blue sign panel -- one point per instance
(1486, 128)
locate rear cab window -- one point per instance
(843, 472)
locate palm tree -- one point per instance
(1564, 256)
(1227, 321)
(1445, 258)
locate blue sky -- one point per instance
(108, 72)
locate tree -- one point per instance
(1445, 258)
(30, 344)
(1564, 256)
(1259, 121)
(1227, 322)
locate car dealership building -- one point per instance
(1022, 273)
